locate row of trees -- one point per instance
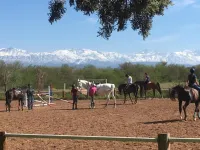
(15, 74)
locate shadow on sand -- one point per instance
(163, 121)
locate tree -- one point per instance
(7, 72)
(41, 77)
(114, 14)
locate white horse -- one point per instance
(102, 89)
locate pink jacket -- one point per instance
(92, 90)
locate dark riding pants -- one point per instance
(75, 101)
(196, 87)
(30, 102)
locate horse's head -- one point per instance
(83, 84)
(175, 90)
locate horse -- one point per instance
(12, 94)
(189, 95)
(133, 88)
(102, 89)
(9, 94)
(19, 94)
(149, 86)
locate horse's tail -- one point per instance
(159, 88)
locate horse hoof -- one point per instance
(195, 119)
(181, 117)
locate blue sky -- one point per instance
(24, 25)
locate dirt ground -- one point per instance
(147, 118)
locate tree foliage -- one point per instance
(17, 75)
(114, 14)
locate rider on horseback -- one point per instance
(129, 81)
(146, 80)
(192, 80)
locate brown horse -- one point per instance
(189, 95)
(133, 88)
(150, 86)
(15, 94)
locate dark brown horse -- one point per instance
(189, 95)
(133, 88)
(15, 94)
(150, 86)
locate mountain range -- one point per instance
(82, 57)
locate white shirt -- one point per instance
(130, 80)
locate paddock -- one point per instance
(147, 118)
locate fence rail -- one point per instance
(76, 137)
(163, 140)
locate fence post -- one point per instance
(163, 141)
(2, 141)
(63, 94)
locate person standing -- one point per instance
(30, 97)
(51, 93)
(92, 92)
(74, 93)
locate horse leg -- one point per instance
(124, 97)
(108, 99)
(130, 97)
(8, 106)
(22, 104)
(184, 108)
(135, 94)
(195, 111)
(19, 104)
(180, 109)
(113, 96)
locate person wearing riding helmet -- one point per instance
(129, 81)
(192, 80)
(74, 93)
(146, 80)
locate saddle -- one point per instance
(194, 94)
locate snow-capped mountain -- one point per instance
(100, 59)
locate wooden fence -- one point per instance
(163, 140)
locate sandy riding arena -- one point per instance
(145, 119)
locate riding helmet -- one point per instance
(192, 70)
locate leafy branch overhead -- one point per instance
(114, 14)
